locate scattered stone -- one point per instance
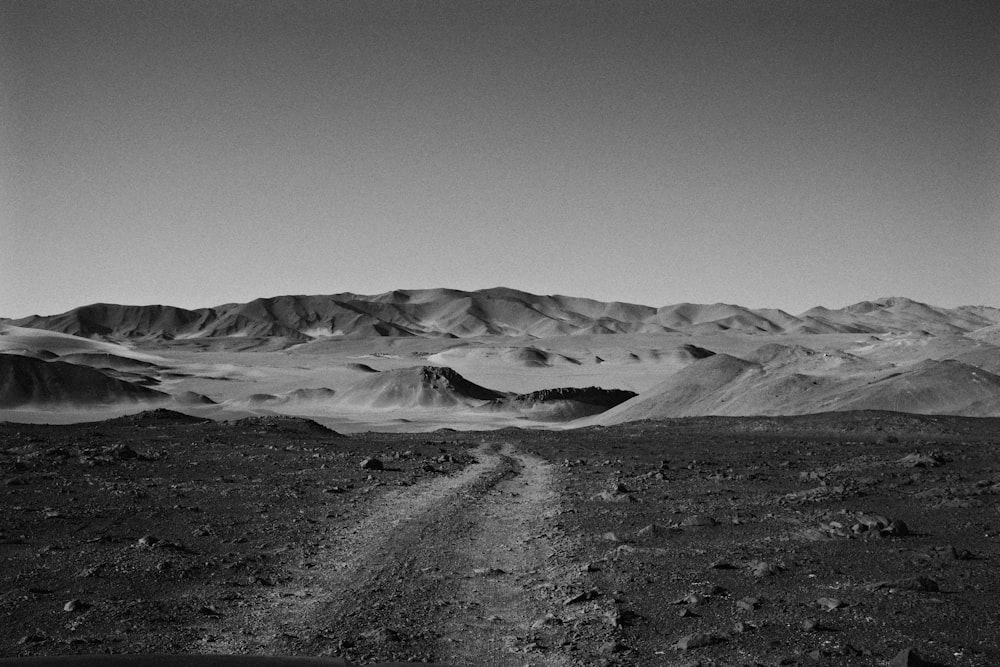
(748, 603)
(75, 605)
(696, 640)
(210, 610)
(488, 571)
(372, 463)
(687, 613)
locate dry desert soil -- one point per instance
(835, 539)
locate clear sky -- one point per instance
(767, 153)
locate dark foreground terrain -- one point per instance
(822, 540)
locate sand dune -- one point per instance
(107, 361)
(527, 356)
(297, 398)
(50, 344)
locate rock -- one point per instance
(866, 522)
(695, 640)
(122, 452)
(147, 541)
(546, 622)
(382, 635)
(619, 618)
(920, 584)
(921, 461)
(812, 625)
(760, 568)
(652, 530)
(614, 497)
(714, 590)
(612, 647)
(75, 605)
(722, 565)
(582, 597)
(951, 553)
(748, 603)
(909, 657)
(90, 571)
(372, 463)
(690, 598)
(699, 520)
(829, 604)
(896, 528)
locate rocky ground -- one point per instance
(841, 539)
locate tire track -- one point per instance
(449, 570)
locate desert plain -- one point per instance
(501, 478)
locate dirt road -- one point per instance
(461, 569)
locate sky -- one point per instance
(767, 153)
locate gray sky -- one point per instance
(783, 154)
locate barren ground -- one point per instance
(763, 538)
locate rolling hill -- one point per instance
(491, 312)
(26, 381)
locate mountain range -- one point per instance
(494, 312)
